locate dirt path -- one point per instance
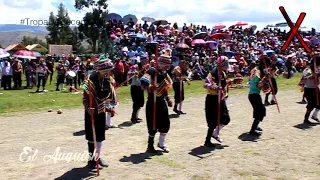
(282, 152)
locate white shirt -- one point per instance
(7, 71)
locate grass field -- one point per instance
(27, 100)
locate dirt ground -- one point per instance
(286, 150)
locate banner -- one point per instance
(60, 49)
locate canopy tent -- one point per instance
(15, 47)
(37, 48)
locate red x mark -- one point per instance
(294, 30)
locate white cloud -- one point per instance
(208, 12)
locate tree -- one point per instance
(75, 40)
(94, 22)
(59, 27)
(27, 40)
(53, 36)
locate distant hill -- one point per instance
(18, 27)
(13, 33)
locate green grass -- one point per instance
(26, 100)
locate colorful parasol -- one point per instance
(220, 36)
(182, 46)
(148, 19)
(200, 35)
(198, 41)
(241, 23)
(3, 53)
(160, 22)
(114, 16)
(219, 26)
(24, 54)
(130, 18)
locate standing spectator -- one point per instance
(28, 69)
(61, 75)
(119, 71)
(17, 73)
(50, 65)
(126, 70)
(42, 69)
(6, 75)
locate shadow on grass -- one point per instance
(78, 174)
(201, 151)
(140, 157)
(248, 137)
(301, 102)
(79, 133)
(303, 126)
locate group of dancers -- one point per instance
(100, 99)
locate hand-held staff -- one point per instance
(316, 75)
(219, 94)
(155, 92)
(91, 109)
(130, 78)
(180, 107)
(270, 82)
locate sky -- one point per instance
(202, 12)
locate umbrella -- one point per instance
(182, 46)
(24, 54)
(37, 54)
(241, 23)
(200, 35)
(220, 36)
(306, 40)
(281, 61)
(268, 51)
(232, 61)
(3, 53)
(212, 44)
(138, 36)
(128, 18)
(148, 19)
(219, 26)
(198, 41)
(114, 16)
(160, 22)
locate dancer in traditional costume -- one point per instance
(113, 102)
(310, 93)
(137, 93)
(212, 103)
(162, 102)
(258, 80)
(177, 74)
(273, 70)
(98, 86)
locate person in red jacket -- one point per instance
(126, 70)
(119, 71)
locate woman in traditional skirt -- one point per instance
(98, 86)
(310, 92)
(176, 76)
(273, 73)
(211, 104)
(258, 80)
(162, 102)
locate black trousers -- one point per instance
(162, 115)
(6, 82)
(311, 96)
(211, 109)
(99, 124)
(17, 82)
(43, 80)
(137, 95)
(259, 110)
(176, 88)
(275, 88)
(80, 78)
